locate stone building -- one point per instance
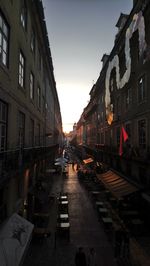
(121, 98)
(30, 118)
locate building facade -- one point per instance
(30, 118)
(121, 98)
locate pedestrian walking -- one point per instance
(80, 258)
(92, 257)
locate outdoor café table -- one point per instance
(63, 197)
(41, 231)
(130, 213)
(64, 225)
(107, 220)
(51, 170)
(103, 211)
(63, 216)
(63, 206)
(99, 203)
(137, 221)
(137, 225)
(95, 193)
(40, 214)
(63, 228)
(64, 202)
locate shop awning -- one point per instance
(15, 236)
(88, 160)
(117, 184)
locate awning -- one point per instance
(146, 196)
(116, 184)
(89, 160)
(15, 236)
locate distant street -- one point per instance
(85, 229)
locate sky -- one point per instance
(80, 32)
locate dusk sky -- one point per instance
(80, 32)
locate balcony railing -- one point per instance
(17, 160)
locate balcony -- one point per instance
(14, 161)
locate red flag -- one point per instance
(123, 137)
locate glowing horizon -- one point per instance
(73, 99)
(80, 32)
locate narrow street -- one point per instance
(85, 229)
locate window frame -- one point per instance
(141, 143)
(21, 70)
(33, 41)
(5, 36)
(32, 132)
(31, 86)
(21, 129)
(23, 15)
(142, 94)
(39, 97)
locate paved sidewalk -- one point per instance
(85, 230)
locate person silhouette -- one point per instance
(80, 258)
(92, 257)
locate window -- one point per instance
(39, 97)
(118, 135)
(21, 70)
(142, 133)
(141, 89)
(102, 138)
(43, 104)
(3, 125)
(39, 61)
(31, 136)
(118, 106)
(23, 15)
(111, 85)
(31, 86)
(102, 117)
(21, 129)
(38, 134)
(127, 97)
(32, 43)
(128, 130)
(4, 40)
